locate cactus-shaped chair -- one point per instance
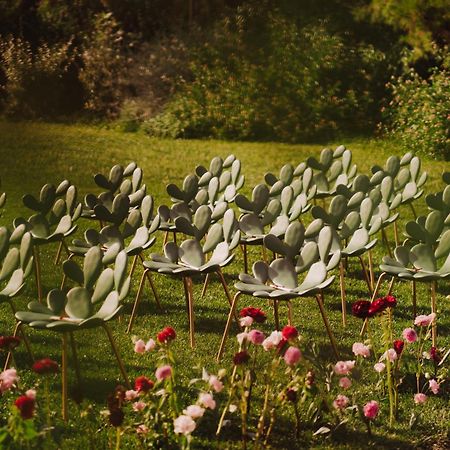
(92, 303)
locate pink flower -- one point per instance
(345, 382)
(139, 406)
(434, 386)
(420, 398)
(163, 372)
(8, 379)
(139, 346)
(424, 320)
(343, 367)
(246, 321)
(371, 409)
(341, 402)
(409, 335)
(256, 337)
(207, 400)
(272, 341)
(183, 425)
(379, 367)
(215, 383)
(131, 395)
(391, 354)
(194, 411)
(150, 345)
(31, 393)
(241, 337)
(142, 429)
(292, 356)
(359, 349)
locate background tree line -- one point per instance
(290, 70)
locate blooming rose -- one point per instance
(194, 411)
(8, 379)
(272, 340)
(255, 313)
(410, 335)
(8, 343)
(341, 402)
(343, 367)
(139, 346)
(45, 366)
(206, 400)
(398, 346)
(359, 349)
(163, 372)
(424, 320)
(241, 357)
(420, 398)
(371, 409)
(25, 405)
(391, 301)
(434, 386)
(378, 306)
(150, 345)
(391, 354)
(361, 309)
(246, 321)
(166, 335)
(292, 356)
(142, 429)
(379, 367)
(31, 393)
(345, 382)
(256, 337)
(131, 395)
(289, 332)
(183, 425)
(139, 406)
(143, 384)
(215, 383)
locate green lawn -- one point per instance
(33, 154)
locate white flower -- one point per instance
(194, 411)
(183, 425)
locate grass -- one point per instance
(33, 154)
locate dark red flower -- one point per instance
(398, 346)
(377, 306)
(116, 417)
(9, 343)
(391, 301)
(435, 355)
(255, 313)
(361, 309)
(289, 332)
(166, 335)
(291, 395)
(281, 347)
(26, 406)
(241, 357)
(143, 384)
(45, 366)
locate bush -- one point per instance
(418, 114)
(262, 76)
(35, 81)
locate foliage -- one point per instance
(418, 113)
(35, 80)
(261, 76)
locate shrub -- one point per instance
(418, 114)
(34, 80)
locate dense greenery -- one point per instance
(38, 153)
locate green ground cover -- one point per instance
(33, 154)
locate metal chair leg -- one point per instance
(58, 252)
(37, 271)
(433, 310)
(117, 355)
(227, 326)
(9, 355)
(227, 291)
(65, 409)
(152, 285)
(374, 294)
(22, 332)
(366, 274)
(136, 302)
(244, 250)
(63, 281)
(414, 297)
(275, 315)
(343, 294)
(319, 298)
(133, 265)
(205, 285)
(371, 273)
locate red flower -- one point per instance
(281, 347)
(44, 366)
(289, 332)
(143, 384)
(398, 346)
(241, 358)
(116, 417)
(291, 395)
(361, 309)
(435, 355)
(391, 301)
(255, 313)
(377, 306)
(9, 343)
(25, 405)
(166, 335)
